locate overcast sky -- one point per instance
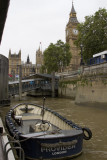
(30, 22)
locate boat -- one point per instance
(44, 134)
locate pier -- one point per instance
(37, 84)
(5, 148)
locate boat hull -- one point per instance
(53, 148)
(64, 142)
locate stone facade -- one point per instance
(28, 68)
(93, 92)
(15, 61)
(71, 36)
(39, 60)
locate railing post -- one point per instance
(53, 84)
(20, 82)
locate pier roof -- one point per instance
(43, 76)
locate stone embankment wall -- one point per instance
(68, 87)
(69, 91)
(93, 92)
(85, 90)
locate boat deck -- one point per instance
(28, 130)
(36, 125)
(28, 126)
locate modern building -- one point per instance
(4, 99)
(71, 36)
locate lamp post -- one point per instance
(81, 62)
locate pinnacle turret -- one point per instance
(28, 60)
(73, 10)
(73, 18)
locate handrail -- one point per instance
(21, 156)
(21, 153)
(11, 142)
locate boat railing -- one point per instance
(16, 148)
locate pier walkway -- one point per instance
(1, 149)
(37, 82)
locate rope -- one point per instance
(46, 133)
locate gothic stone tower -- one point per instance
(39, 60)
(14, 62)
(71, 36)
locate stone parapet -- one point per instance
(94, 92)
(85, 89)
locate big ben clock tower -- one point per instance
(71, 36)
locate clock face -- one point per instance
(75, 31)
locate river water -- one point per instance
(94, 118)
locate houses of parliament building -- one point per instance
(28, 68)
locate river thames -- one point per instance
(94, 118)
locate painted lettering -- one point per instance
(57, 149)
(56, 153)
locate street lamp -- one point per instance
(81, 62)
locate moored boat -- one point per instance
(44, 134)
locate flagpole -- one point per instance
(41, 46)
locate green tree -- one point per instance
(93, 34)
(57, 56)
(43, 69)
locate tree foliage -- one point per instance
(57, 56)
(93, 34)
(43, 69)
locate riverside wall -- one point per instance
(86, 90)
(94, 92)
(69, 91)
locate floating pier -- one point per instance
(5, 148)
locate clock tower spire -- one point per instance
(73, 12)
(71, 36)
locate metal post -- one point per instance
(20, 82)
(53, 84)
(81, 62)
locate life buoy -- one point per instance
(89, 133)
